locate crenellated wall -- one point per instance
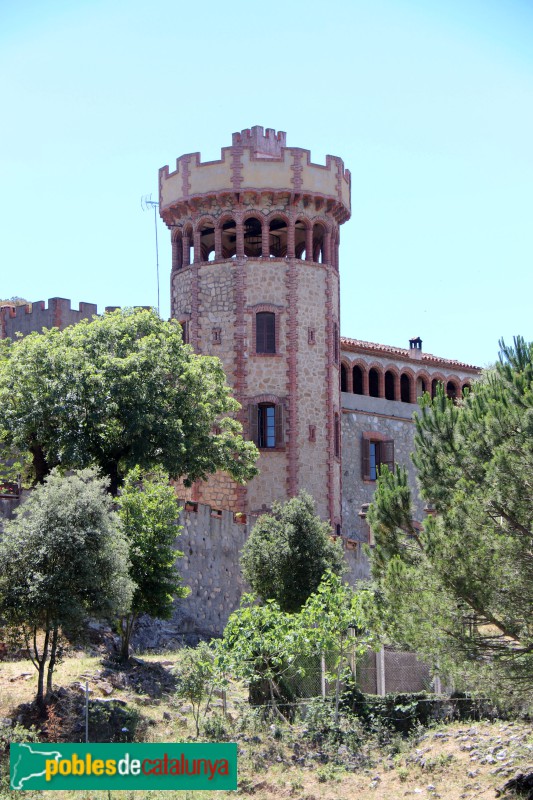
(36, 316)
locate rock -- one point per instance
(166, 715)
(186, 708)
(106, 688)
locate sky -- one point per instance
(430, 105)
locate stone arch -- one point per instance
(278, 225)
(302, 237)
(359, 377)
(453, 387)
(205, 227)
(436, 378)
(188, 244)
(319, 241)
(407, 386)
(177, 249)
(226, 232)
(422, 383)
(253, 224)
(392, 383)
(375, 380)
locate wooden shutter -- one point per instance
(386, 454)
(265, 332)
(253, 430)
(365, 452)
(279, 422)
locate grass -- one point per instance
(425, 766)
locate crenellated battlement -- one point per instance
(258, 161)
(36, 316)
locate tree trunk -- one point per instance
(114, 478)
(42, 664)
(127, 625)
(40, 464)
(52, 662)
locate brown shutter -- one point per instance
(387, 454)
(253, 413)
(279, 421)
(365, 452)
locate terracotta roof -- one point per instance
(358, 346)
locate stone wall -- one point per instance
(36, 316)
(211, 542)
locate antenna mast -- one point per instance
(146, 204)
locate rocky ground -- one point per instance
(460, 761)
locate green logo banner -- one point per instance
(124, 766)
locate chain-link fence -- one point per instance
(383, 672)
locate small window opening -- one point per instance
(335, 343)
(337, 436)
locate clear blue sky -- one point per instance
(430, 104)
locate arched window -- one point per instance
(421, 387)
(299, 239)
(318, 243)
(253, 238)
(357, 374)
(344, 379)
(177, 253)
(434, 383)
(373, 383)
(188, 246)
(229, 239)
(390, 393)
(207, 241)
(265, 332)
(451, 390)
(466, 387)
(405, 388)
(277, 238)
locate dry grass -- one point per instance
(432, 766)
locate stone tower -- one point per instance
(255, 281)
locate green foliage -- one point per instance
(288, 552)
(460, 590)
(266, 646)
(62, 558)
(149, 510)
(118, 392)
(17, 734)
(196, 678)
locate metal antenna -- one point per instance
(146, 204)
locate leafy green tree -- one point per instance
(64, 557)
(149, 511)
(260, 645)
(120, 391)
(460, 590)
(288, 552)
(196, 678)
(340, 622)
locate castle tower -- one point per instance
(255, 281)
